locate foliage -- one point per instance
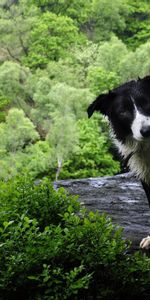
(78, 10)
(71, 149)
(51, 39)
(17, 131)
(137, 23)
(101, 81)
(21, 196)
(92, 158)
(110, 54)
(56, 56)
(64, 71)
(36, 160)
(107, 17)
(58, 98)
(136, 64)
(63, 138)
(4, 104)
(17, 19)
(12, 80)
(51, 248)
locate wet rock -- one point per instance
(121, 197)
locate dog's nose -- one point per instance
(145, 131)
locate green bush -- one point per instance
(92, 157)
(39, 201)
(50, 248)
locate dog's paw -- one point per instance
(145, 243)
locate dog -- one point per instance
(127, 108)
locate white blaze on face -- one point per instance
(140, 121)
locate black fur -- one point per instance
(146, 188)
(118, 106)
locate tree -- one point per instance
(35, 160)
(66, 71)
(69, 100)
(51, 39)
(55, 57)
(84, 56)
(4, 104)
(60, 98)
(106, 17)
(110, 54)
(107, 55)
(12, 82)
(78, 10)
(38, 160)
(17, 132)
(13, 88)
(92, 157)
(16, 22)
(40, 111)
(63, 138)
(137, 23)
(101, 80)
(136, 63)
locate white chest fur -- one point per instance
(139, 162)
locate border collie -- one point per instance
(128, 110)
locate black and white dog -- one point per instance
(128, 110)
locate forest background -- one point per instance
(55, 57)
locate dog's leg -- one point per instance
(146, 188)
(145, 243)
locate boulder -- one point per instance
(121, 197)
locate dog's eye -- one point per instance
(124, 114)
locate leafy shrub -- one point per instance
(92, 157)
(50, 248)
(39, 201)
(101, 81)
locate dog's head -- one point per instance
(127, 108)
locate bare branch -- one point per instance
(13, 56)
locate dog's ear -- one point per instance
(102, 104)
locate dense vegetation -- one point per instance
(52, 249)
(55, 57)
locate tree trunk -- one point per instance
(59, 166)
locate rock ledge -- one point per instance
(121, 196)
